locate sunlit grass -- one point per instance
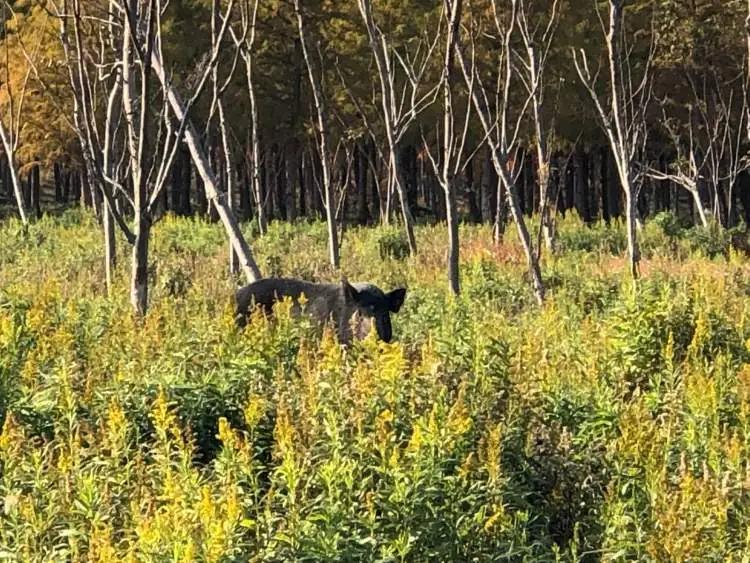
(604, 425)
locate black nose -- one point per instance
(383, 326)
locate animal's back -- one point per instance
(322, 299)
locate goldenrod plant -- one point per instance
(603, 425)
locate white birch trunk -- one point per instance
(15, 180)
(320, 111)
(239, 244)
(108, 226)
(451, 159)
(699, 207)
(622, 147)
(136, 140)
(499, 155)
(255, 148)
(543, 162)
(378, 46)
(249, 12)
(623, 136)
(234, 265)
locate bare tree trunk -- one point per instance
(622, 156)
(453, 242)
(139, 267)
(110, 248)
(9, 136)
(84, 191)
(13, 171)
(255, 161)
(266, 174)
(702, 213)
(451, 159)
(244, 253)
(500, 158)
(136, 141)
(501, 210)
(91, 184)
(139, 273)
(84, 115)
(249, 13)
(523, 232)
(108, 226)
(386, 213)
(399, 185)
(320, 110)
(633, 249)
(218, 93)
(292, 160)
(378, 45)
(486, 201)
(548, 231)
(624, 131)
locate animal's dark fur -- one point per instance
(339, 302)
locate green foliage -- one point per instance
(712, 241)
(393, 244)
(668, 223)
(604, 425)
(598, 237)
(487, 285)
(665, 232)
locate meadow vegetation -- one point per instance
(605, 425)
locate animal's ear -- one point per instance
(351, 295)
(396, 299)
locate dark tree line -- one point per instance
(582, 180)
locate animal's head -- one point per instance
(371, 302)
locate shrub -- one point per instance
(668, 223)
(709, 241)
(393, 244)
(573, 235)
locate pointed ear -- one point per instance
(396, 299)
(350, 293)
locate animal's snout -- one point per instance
(383, 326)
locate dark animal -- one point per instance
(360, 304)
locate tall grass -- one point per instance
(604, 426)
